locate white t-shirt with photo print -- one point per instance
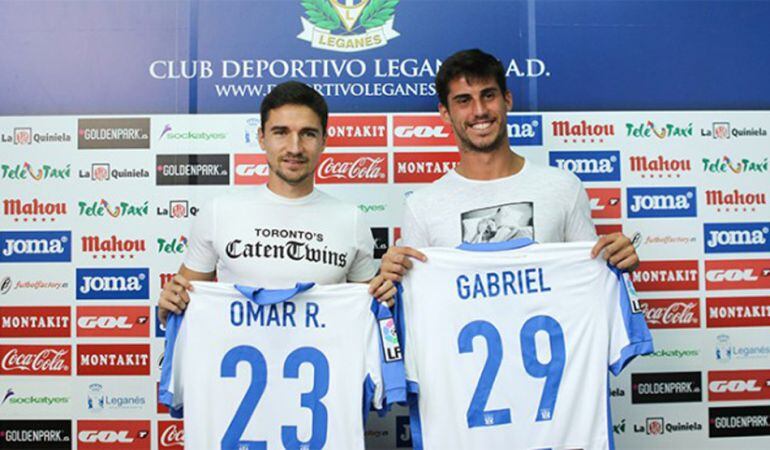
(259, 238)
(542, 203)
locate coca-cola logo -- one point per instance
(676, 313)
(171, 434)
(35, 360)
(353, 168)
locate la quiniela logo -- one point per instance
(348, 25)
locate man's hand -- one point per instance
(383, 290)
(174, 297)
(618, 251)
(395, 262)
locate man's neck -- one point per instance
(284, 189)
(500, 163)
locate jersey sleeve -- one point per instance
(579, 225)
(385, 382)
(363, 267)
(201, 256)
(171, 388)
(629, 335)
(412, 234)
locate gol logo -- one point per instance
(251, 168)
(109, 321)
(738, 274)
(114, 434)
(605, 203)
(421, 131)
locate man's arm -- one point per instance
(174, 297)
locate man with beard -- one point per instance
(283, 232)
(491, 178)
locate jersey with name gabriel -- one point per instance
(508, 345)
(295, 368)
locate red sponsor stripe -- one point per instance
(35, 321)
(421, 131)
(357, 131)
(250, 168)
(170, 434)
(358, 168)
(666, 276)
(672, 313)
(726, 385)
(738, 274)
(113, 321)
(113, 359)
(114, 434)
(738, 312)
(422, 167)
(35, 360)
(605, 229)
(605, 203)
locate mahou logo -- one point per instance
(738, 312)
(113, 359)
(666, 276)
(357, 131)
(738, 274)
(728, 385)
(112, 247)
(33, 210)
(111, 321)
(421, 131)
(30, 360)
(735, 200)
(114, 434)
(34, 321)
(251, 168)
(659, 167)
(582, 131)
(170, 434)
(423, 167)
(672, 313)
(605, 203)
(359, 168)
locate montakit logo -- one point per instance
(357, 131)
(666, 276)
(423, 167)
(35, 321)
(737, 312)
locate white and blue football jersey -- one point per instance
(298, 368)
(508, 345)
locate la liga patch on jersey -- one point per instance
(391, 348)
(633, 297)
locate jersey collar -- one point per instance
(513, 244)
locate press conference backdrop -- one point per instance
(96, 213)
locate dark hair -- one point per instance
(472, 64)
(294, 93)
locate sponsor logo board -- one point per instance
(737, 312)
(666, 387)
(34, 321)
(422, 167)
(588, 165)
(112, 284)
(113, 359)
(35, 246)
(117, 133)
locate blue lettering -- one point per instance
(311, 311)
(288, 313)
(478, 287)
(236, 313)
(273, 316)
(493, 285)
(462, 287)
(508, 288)
(529, 274)
(543, 287)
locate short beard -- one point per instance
(494, 145)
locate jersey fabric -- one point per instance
(539, 202)
(259, 238)
(508, 345)
(295, 368)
